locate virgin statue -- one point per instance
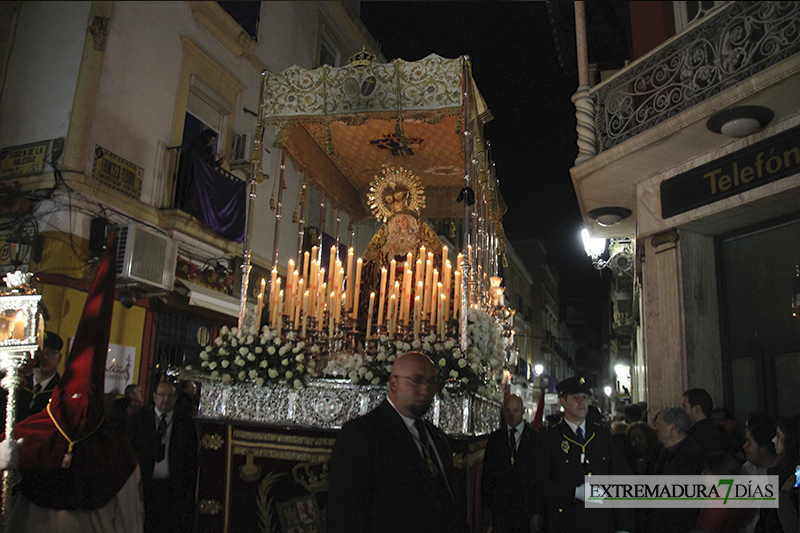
(396, 199)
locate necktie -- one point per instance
(430, 458)
(579, 434)
(38, 388)
(162, 431)
(512, 443)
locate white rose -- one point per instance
(289, 374)
(361, 371)
(223, 351)
(273, 373)
(285, 362)
(416, 344)
(251, 357)
(239, 361)
(243, 350)
(449, 344)
(215, 374)
(391, 358)
(462, 363)
(368, 376)
(212, 365)
(241, 375)
(375, 381)
(259, 381)
(381, 357)
(271, 350)
(283, 349)
(453, 373)
(234, 343)
(253, 374)
(299, 358)
(250, 339)
(226, 378)
(204, 364)
(464, 380)
(218, 341)
(259, 349)
(224, 363)
(389, 368)
(442, 362)
(297, 384)
(290, 336)
(300, 368)
(263, 364)
(204, 356)
(224, 330)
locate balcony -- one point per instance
(651, 116)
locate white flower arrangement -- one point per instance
(473, 371)
(250, 355)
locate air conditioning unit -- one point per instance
(242, 152)
(145, 257)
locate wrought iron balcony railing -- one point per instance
(739, 41)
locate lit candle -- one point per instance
(444, 256)
(320, 312)
(259, 309)
(319, 298)
(382, 296)
(434, 295)
(297, 305)
(280, 315)
(289, 281)
(273, 292)
(306, 264)
(275, 310)
(332, 263)
(331, 313)
(369, 313)
(422, 255)
(459, 259)
(305, 313)
(442, 324)
(392, 270)
(313, 279)
(348, 300)
(418, 273)
(339, 295)
(416, 315)
(357, 289)
(407, 296)
(392, 301)
(410, 258)
(426, 302)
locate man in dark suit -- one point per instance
(391, 471)
(681, 455)
(41, 378)
(166, 442)
(565, 454)
(506, 485)
(697, 404)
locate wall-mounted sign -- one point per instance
(23, 160)
(761, 163)
(117, 173)
(120, 363)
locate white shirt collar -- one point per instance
(574, 427)
(409, 421)
(519, 428)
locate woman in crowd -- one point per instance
(786, 442)
(723, 520)
(644, 448)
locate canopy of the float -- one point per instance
(340, 125)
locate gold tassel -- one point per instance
(294, 216)
(272, 203)
(452, 230)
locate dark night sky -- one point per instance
(533, 137)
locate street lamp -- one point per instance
(608, 390)
(538, 369)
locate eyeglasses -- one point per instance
(419, 381)
(165, 394)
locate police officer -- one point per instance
(573, 449)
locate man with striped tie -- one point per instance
(392, 471)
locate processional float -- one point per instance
(403, 142)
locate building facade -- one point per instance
(99, 102)
(692, 151)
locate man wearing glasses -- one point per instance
(392, 471)
(166, 442)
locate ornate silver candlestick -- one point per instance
(21, 331)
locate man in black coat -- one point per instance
(391, 471)
(41, 378)
(576, 448)
(506, 484)
(166, 442)
(682, 455)
(697, 404)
